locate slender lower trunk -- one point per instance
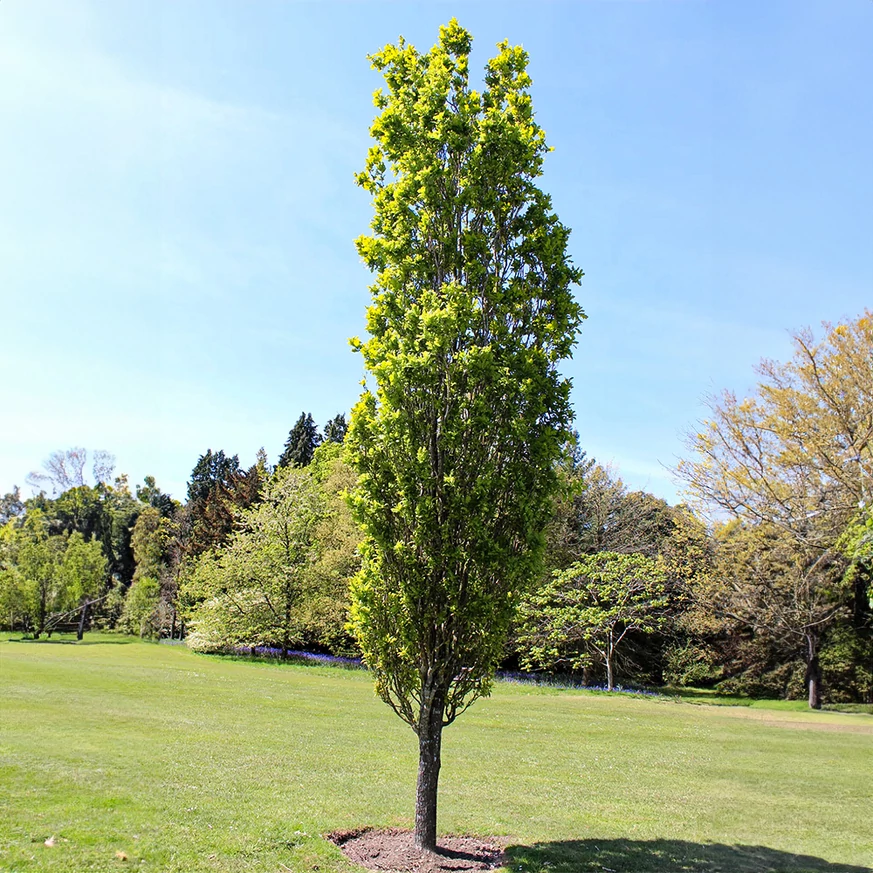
(80, 632)
(813, 671)
(173, 626)
(609, 678)
(41, 616)
(430, 734)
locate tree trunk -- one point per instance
(813, 671)
(609, 680)
(82, 619)
(430, 734)
(41, 616)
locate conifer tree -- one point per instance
(335, 429)
(303, 440)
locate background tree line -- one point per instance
(763, 587)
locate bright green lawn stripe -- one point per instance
(189, 763)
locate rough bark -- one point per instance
(430, 731)
(813, 671)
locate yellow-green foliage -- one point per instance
(472, 311)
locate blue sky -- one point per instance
(177, 210)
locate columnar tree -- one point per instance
(456, 446)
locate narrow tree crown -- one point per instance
(471, 314)
(303, 440)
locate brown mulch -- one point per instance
(393, 851)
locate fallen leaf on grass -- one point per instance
(51, 841)
(121, 856)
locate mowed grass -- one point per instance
(148, 757)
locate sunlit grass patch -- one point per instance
(190, 763)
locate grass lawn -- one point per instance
(715, 698)
(180, 762)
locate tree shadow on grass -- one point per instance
(663, 856)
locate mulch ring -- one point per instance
(393, 851)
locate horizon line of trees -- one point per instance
(773, 596)
(145, 537)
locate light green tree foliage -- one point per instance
(83, 569)
(140, 615)
(796, 458)
(250, 591)
(83, 576)
(456, 447)
(35, 582)
(150, 541)
(326, 606)
(44, 576)
(11, 593)
(857, 544)
(39, 563)
(585, 612)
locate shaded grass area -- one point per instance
(579, 856)
(714, 698)
(190, 763)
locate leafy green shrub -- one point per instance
(140, 607)
(847, 666)
(785, 682)
(692, 664)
